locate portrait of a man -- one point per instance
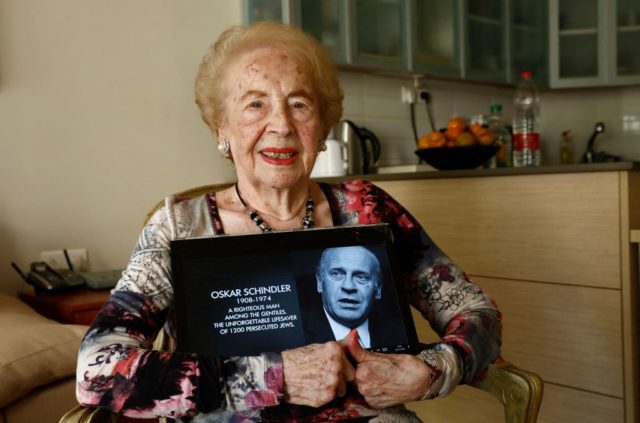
(349, 283)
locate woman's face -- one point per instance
(272, 119)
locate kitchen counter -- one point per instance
(421, 172)
(557, 249)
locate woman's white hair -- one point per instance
(211, 89)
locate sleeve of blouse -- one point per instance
(118, 370)
(467, 319)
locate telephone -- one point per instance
(44, 278)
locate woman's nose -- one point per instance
(279, 122)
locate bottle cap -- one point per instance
(526, 74)
(494, 108)
(479, 119)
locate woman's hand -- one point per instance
(314, 375)
(387, 379)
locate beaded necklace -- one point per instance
(307, 220)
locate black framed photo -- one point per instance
(239, 295)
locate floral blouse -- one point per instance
(118, 370)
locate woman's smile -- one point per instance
(279, 156)
(273, 121)
(270, 94)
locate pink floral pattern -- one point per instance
(117, 369)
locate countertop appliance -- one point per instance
(333, 160)
(362, 145)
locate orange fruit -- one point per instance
(435, 139)
(486, 138)
(465, 139)
(457, 122)
(453, 132)
(475, 128)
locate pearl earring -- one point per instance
(224, 148)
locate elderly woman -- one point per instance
(270, 95)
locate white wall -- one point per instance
(98, 122)
(579, 110)
(375, 102)
(97, 119)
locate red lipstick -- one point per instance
(279, 156)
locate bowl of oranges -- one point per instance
(458, 146)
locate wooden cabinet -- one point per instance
(487, 40)
(364, 33)
(266, 10)
(625, 57)
(565, 43)
(502, 38)
(437, 37)
(594, 42)
(379, 33)
(529, 40)
(78, 306)
(554, 251)
(327, 21)
(577, 42)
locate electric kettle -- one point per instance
(332, 161)
(362, 146)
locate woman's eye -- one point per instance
(255, 105)
(299, 105)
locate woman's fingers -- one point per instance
(341, 389)
(315, 374)
(390, 379)
(348, 372)
(386, 379)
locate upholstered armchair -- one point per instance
(519, 391)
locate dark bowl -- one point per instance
(449, 158)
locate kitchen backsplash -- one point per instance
(375, 102)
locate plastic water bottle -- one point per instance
(526, 116)
(503, 136)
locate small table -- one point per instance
(78, 306)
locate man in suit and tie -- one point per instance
(349, 281)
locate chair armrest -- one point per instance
(519, 391)
(80, 414)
